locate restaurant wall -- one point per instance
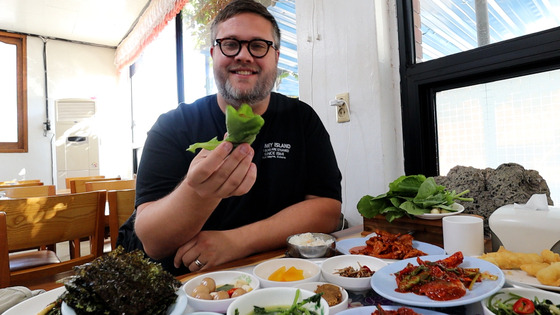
(74, 71)
(353, 48)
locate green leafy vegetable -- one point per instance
(242, 126)
(408, 196)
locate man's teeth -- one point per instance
(244, 72)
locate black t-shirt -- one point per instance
(293, 154)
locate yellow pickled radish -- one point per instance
(293, 274)
(277, 275)
(281, 274)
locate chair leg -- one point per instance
(74, 247)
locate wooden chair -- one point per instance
(22, 184)
(25, 181)
(69, 179)
(107, 185)
(111, 185)
(29, 191)
(121, 206)
(32, 222)
(79, 185)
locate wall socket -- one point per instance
(343, 111)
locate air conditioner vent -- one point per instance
(74, 109)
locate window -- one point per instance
(197, 67)
(452, 26)
(444, 97)
(13, 99)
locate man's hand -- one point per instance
(222, 173)
(210, 248)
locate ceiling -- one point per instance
(99, 22)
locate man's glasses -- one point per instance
(231, 47)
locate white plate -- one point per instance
(519, 278)
(35, 304)
(384, 283)
(344, 247)
(367, 310)
(435, 216)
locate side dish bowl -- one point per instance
(271, 297)
(529, 293)
(331, 267)
(312, 286)
(311, 245)
(311, 271)
(220, 278)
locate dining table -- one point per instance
(248, 263)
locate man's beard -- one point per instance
(236, 97)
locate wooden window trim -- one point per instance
(21, 47)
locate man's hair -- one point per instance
(245, 6)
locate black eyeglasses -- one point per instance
(231, 47)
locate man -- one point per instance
(197, 211)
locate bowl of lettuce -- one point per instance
(411, 196)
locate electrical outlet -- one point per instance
(343, 111)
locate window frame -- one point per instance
(20, 41)
(529, 54)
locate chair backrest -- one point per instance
(22, 184)
(29, 191)
(111, 185)
(24, 181)
(32, 222)
(79, 185)
(121, 206)
(69, 179)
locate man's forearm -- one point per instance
(168, 223)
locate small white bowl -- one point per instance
(312, 286)
(269, 297)
(176, 308)
(311, 271)
(221, 278)
(529, 293)
(331, 265)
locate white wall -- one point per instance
(353, 48)
(73, 71)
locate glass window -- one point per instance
(154, 85)
(513, 120)
(197, 17)
(450, 26)
(13, 100)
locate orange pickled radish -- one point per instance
(277, 275)
(293, 274)
(281, 274)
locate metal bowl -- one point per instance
(316, 245)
